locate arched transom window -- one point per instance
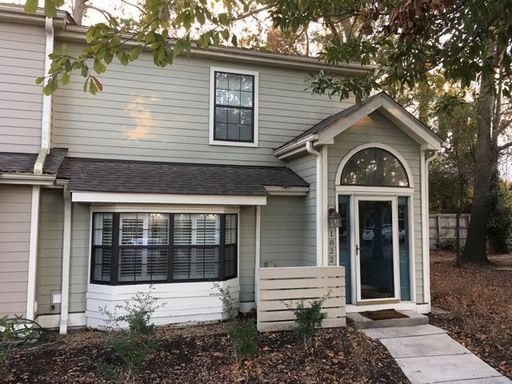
(374, 167)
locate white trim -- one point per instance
(370, 191)
(53, 321)
(396, 251)
(247, 306)
(412, 253)
(285, 151)
(32, 256)
(151, 208)
(325, 206)
(403, 305)
(257, 256)
(286, 191)
(12, 178)
(212, 141)
(319, 203)
(66, 261)
(147, 198)
(385, 147)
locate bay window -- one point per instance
(132, 248)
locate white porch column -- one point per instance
(319, 202)
(32, 258)
(66, 255)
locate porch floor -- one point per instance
(413, 318)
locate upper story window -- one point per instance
(234, 107)
(374, 167)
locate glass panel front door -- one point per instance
(376, 249)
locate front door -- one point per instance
(376, 248)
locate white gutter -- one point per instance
(66, 261)
(319, 202)
(46, 120)
(425, 225)
(32, 254)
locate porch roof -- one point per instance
(127, 176)
(380, 101)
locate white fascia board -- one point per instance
(328, 134)
(287, 191)
(300, 143)
(147, 198)
(27, 179)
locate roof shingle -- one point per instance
(105, 175)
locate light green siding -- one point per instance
(282, 229)
(15, 211)
(22, 49)
(376, 128)
(305, 167)
(49, 266)
(163, 114)
(80, 235)
(247, 251)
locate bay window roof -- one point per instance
(127, 176)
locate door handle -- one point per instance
(357, 249)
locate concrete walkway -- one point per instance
(427, 354)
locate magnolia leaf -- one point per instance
(65, 78)
(39, 80)
(30, 6)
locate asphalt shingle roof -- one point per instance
(54, 160)
(11, 162)
(105, 175)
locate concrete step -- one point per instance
(413, 318)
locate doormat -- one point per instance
(384, 314)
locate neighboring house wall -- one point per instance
(305, 167)
(376, 128)
(49, 265)
(15, 211)
(282, 230)
(163, 114)
(22, 50)
(247, 249)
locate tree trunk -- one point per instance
(79, 11)
(485, 163)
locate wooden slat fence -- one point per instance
(443, 229)
(281, 289)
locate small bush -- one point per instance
(308, 319)
(499, 229)
(131, 346)
(242, 333)
(244, 338)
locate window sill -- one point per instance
(234, 143)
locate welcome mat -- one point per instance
(383, 314)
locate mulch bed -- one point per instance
(202, 354)
(478, 301)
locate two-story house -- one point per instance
(199, 173)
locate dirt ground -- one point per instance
(202, 354)
(478, 301)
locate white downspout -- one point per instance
(46, 120)
(319, 202)
(66, 261)
(32, 258)
(425, 225)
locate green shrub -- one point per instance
(308, 319)
(244, 338)
(131, 346)
(499, 230)
(242, 333)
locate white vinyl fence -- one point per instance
(281, 289)
(443, 229)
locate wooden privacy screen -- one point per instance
(280, 289)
